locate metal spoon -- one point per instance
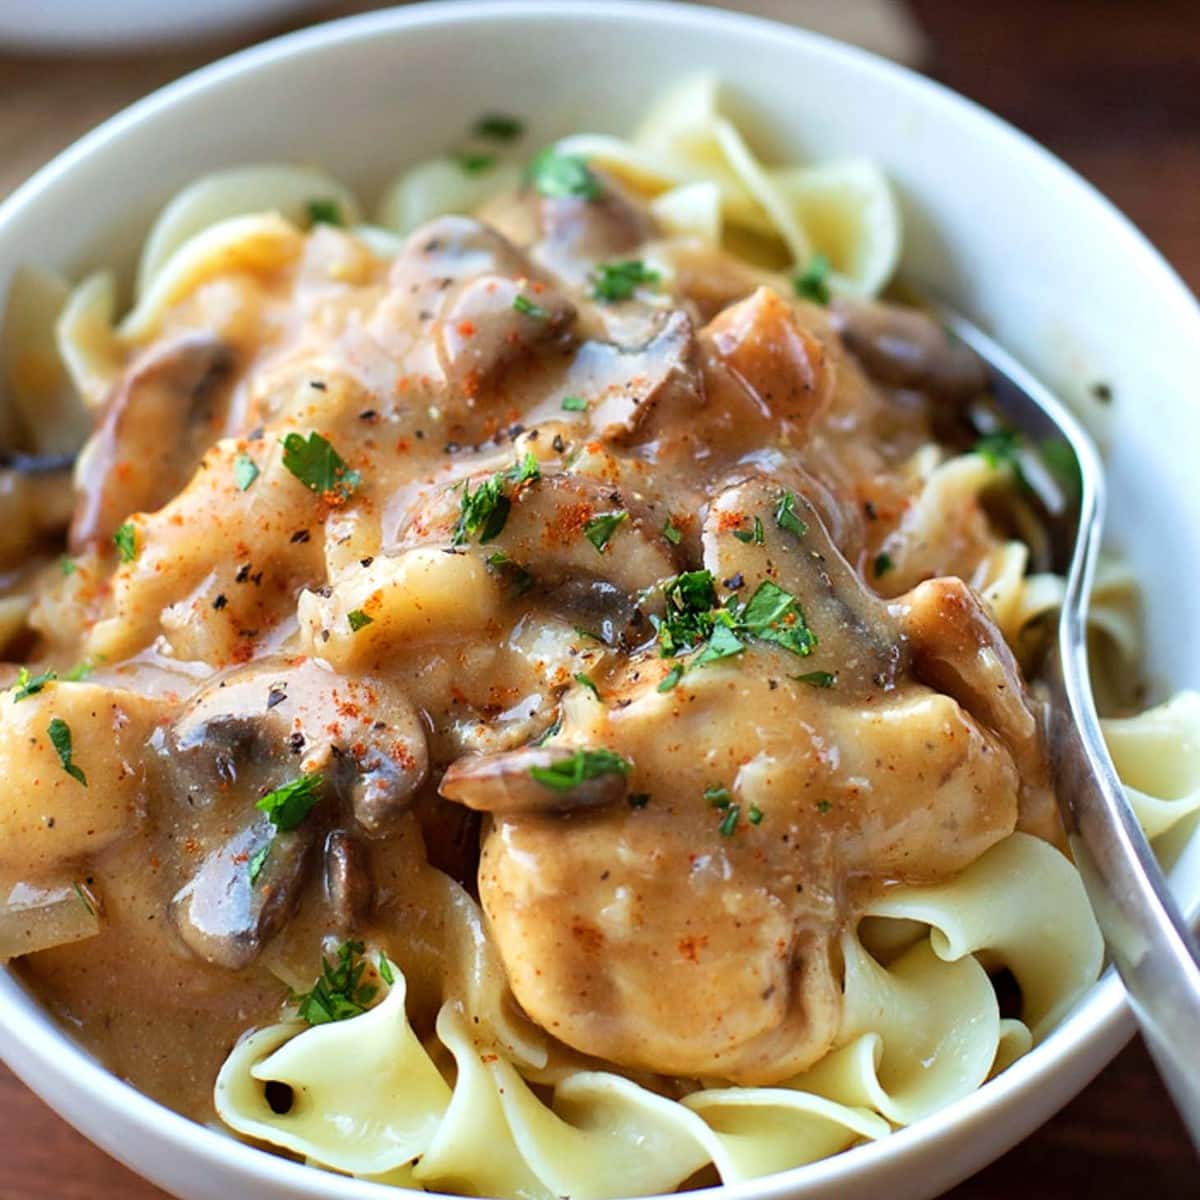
(1148, 940)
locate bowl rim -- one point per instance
(1098, 1024)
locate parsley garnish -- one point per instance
(257, 861)
(818, 679)
(60, 738)
(747, 535)
(999, 448)
(671, 678)
(883, 563)
(319, 467)
(524, 305)
(555, 174)
(813, 282)
(689, 598)
(485, 510)
(775, 616)
(672, 532)
(81, 670)
(28, 685)
(324, 212)
(475, 164)
(599, 529)
(125, 540)
(516, 574)
(245, 471)
(574, 404)
(785, 515)
(616, 281)
(722, 643)
(729, 821)
(339, 993)
(755, 815)
(385, 971)
(287, 806)
(499, 127)
(582, 765)
(67, 565)
(358, 619)
(589, 683)
(823, 806)
(718, 797)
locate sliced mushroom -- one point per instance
(905, 347)
(348, 885)
(270, 722)
(235, 903)
(505, 784)
(161, 418)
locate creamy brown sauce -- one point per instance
(678, 916)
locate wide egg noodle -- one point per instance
(439, 186)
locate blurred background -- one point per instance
(1111, 86)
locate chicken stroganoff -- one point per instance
(530, 701)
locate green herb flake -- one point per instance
(639, 799)
(817, 679)
(527, 307)
(357, 619)
(754, 535)
(245, 471)
(67, 565)
(672, 532)
(671, 678)
(774, 615)
(999, 448)
(729, 822)
(823, 806)
(755, 815)
(581, 766)
(125, 540)
(287, 806)
(1061, 462)
(339, 993)
(883, 563)
(324, 212)
(60, 739)
(722, 643)
(786, 518)
(484, 512)
(689, 599)
(616, 281)
(555, 174)
(718, 797)
(257, 861)
(813, 282)
(385, 971)
(473, 163)
(600, 528)
(81, 670)
(574, 404)
(30, 685)
(499, 127)
(588, 682)
(317, 465)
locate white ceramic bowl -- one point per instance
(993, 221)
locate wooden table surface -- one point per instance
(1113, 86)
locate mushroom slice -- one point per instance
(905, 347)
(229, 910)
(161, 418)
(348, 885)
(504, 784)
(268, 723)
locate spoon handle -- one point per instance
(1148, 940)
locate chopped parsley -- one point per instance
(754, 535)
(786, 518)
(30, 685)
(599, 529)
(527, 307)
(722, 643)
(475, 164)
(671, 678)
(324, 212)
(823, 806)
(615, 281)
(513, 572)
(755, 815)
(319, 467)
(999, 448)
(125, 540)
(555, 174)
(774, 615)
(689, 599)
(813, 282)
(574, 404)
(500, 127)
(287, 806)
(385, 971)
(588, 682)
(672, 532)
(60, 739)
(817, 679)
(67, 565)
(485, 510)
(81, 670)
(718, 797)
(639, 799)
(340, 992)
(358, 619)
(581, 766)
(257, 861)
(245, 471)
(883, 563)
(729, 821)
